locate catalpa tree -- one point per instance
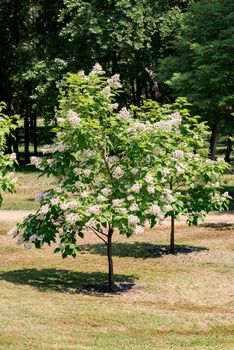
(107, 164)
(191, 182)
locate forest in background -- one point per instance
(161, 49)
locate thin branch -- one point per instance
(101, 231)
(98, 235)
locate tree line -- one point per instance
(161, 49)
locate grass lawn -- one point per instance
(168, 302)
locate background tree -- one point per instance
(202, 68)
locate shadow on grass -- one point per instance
(139, 249)
(218, 226)
(66, 281)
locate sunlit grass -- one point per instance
(170, 302)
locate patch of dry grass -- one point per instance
(172, 302)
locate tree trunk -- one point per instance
(172, 237)
(213, 141)
(228, 149)
(35, 133)
(139, 88)
(110, 261)
(153, 84)
(133, 92)
(26, 140)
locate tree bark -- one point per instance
(153, 84)
(35, 133)
(26, 140)
(110, 261)
(139, 88)
(172, 236)
(229, 149)
(213, 141)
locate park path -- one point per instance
(226, 217)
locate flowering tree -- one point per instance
(191, 182)
(7, 178)
(109, 167)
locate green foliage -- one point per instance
(7, 179)
(114, 170)
(202, 68)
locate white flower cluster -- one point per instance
(151, 189)
(178, 154)
(106, 191)
(154, 210)
(135, 188)
(55, 201)
(117, 202)
(118, 172)
(87, 154)
(71, 218)
(113, 106)
(13, 232)
(149, 179)
(12, 156)
(169, 197)
(134, 171)
(61, 120)
(106, 91)
(57, 147)
(36, 161)
(115, 81)
(123, 114)
(78, 184)
(11, 177)
(93, 210)
(97, 69)
(34, 238)
(21, 241)
(73, 118)
(101, 198)
(133, 207)
(112, 159)
(69, 205)
(133, 220)
(167, 125)
(167, 208)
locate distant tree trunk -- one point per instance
(133, 92)
(114, 62)
(5, 88)
(35, 132)
(213, 141)
(139, 87)
(153, 84)
(229, 149)
(26, 139)
(110, 260)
